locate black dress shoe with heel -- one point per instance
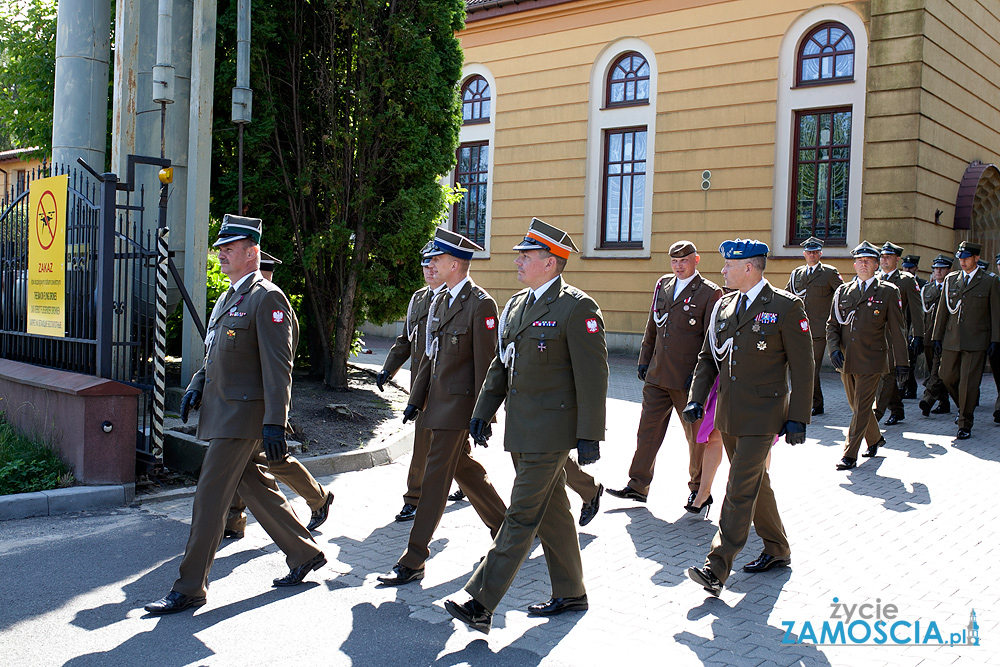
(319, 516)
(297, 574)
(873, 449)
(408, 513)
(964, 434)
(706, 579)
(590, 509)
(173, 603)
(847, 463)
(400, 575)
(766, 562)
(628, 493)
(556, 606)
(894, 419)
(458, 495)
(690, 507)
(473, 614)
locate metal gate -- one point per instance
(111, 267)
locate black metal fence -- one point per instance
(111, 261)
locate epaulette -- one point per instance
(785, 293)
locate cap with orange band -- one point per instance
(543, 236)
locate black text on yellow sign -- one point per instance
(47, 256)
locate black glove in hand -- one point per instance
(916, 346)
(692, 412)
(794, 432)
(480, 431)
(381, 379)
(191, 399)
(901, 373)
(587, 451)
(275, 447)
(837, 359)
(643, 368)
(938, 348)
(410, 413)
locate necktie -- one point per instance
(531, 299)
(741, 308)
(967, 279)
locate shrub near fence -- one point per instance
(26, 465)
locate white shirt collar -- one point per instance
(754, 291)
(541, 290)
(238, 283)
(971, 275)
(679, 284)
(453, 291)
(886, 276)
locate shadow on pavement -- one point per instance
(732, 625)
(669, 544)
(865, 481)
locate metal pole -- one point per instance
(242, 109)
(160, 342)
(106, 277)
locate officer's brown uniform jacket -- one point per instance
(246, 379)
(976, 322)
(930, 295)
(404, 347)
(909, 294)
(446, 389)
(878, 318)
(770, 345)
(816, 290)
(558, 390)
(671, 349)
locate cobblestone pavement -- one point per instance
(915, 527)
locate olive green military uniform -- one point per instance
(461, 341)
(815, 286)
(754, 355)
(675, 331)
(862, 325)
(967, 321)
(889, 397)
(245, 383)
(934, 389)
(555, 383)
(410, 345)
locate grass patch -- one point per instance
(27, 465)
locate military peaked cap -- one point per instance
(236, 227)
(543, 236)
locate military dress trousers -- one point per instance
(888, 397)
(553, 376)
(816, 288)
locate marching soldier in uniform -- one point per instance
(967, 331)
(410, 345)
(866, 315)
(675, 331)
(909, 390)
(552, 372)
(889, 394)
(459, 344)
(289, 472)
(243, 390)
(815, 283)
(930, 296)
(758, 340)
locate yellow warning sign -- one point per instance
(47, 256)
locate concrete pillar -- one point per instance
(80, 109)
(198, 176)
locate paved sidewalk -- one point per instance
(915, 527)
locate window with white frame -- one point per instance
(474, 159)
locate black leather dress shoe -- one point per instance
(407, 513)
(706, 579)
(297, 574)
(173, 603)
(319, 516)
(925, 408)
(232, 534)
(628, 493)
(765, 562)
(847, 463)
(893, 420)
(458, 495)
(400, 575)
(996, 416)
(942, 409)
(691, 507)
(817, 411)
(873, 449)
(556, 606)
(964, 434)
(589, 510)
(909, 394)
(473, 614)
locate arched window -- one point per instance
(628, 81)
(475, 101)
(826, 55)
